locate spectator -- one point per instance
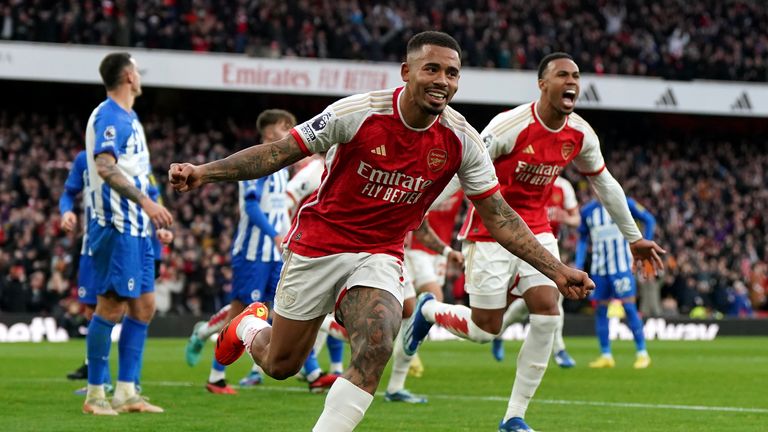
(674, 39)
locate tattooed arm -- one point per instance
(427, 236)
(511, 232)
(106, 166)
(254, 162)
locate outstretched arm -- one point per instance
(251, 163)
(612, 196)
(106, 166)
(506, 226)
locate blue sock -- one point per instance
(335, 349)
(98, 342)
(218, 366)
(107, 374)
(601, 328)
(131, 347)
(138, 371)
(636, 325)
(311, 364)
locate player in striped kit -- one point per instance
(76, 183)
(256, 258)
(530, 146)
(120, 237)
(611, 269)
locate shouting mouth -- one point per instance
(569, 98)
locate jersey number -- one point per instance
(622, 285)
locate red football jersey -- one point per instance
(528, 157)
(381, 174)
(563, 198)
(442, 219)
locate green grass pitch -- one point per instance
(704, 386)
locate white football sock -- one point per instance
(313, 375)
(124, 390)
(95, 392)
(216, 375)
(559, 344)
(337, 367)
(457, 319)
(250, 322)
(400, 364)
(344, 408)
(517, 312)
(214, 324)
(322, 336)
(531, 363)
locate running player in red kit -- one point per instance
(389, 154)
(530, 146)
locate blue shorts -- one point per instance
(85, 292)
(121, 262)
(617, 286)
(254, 280)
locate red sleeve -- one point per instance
(300, 140)
(485, 194)
(593, 173)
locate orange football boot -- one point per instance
(229, 347)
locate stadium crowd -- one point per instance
(708, 198)
(675, 39)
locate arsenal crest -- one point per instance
(436, 159)
(566, 150)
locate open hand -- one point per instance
(647, 251)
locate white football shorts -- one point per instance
(425, 267)
(491, 272)
(312, 287)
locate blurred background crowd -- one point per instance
(707, 193)
(674, 39)
(709, 198)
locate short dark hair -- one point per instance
(432, 38)
(549, 58)
(274, 116)
(111, 68)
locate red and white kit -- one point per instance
(381, 177)
(424, 264)
(563, 197)
(528, 157)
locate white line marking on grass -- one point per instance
(294, 389)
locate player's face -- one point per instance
(134, 78)
(275, 132)
(560, 85)
(433, 77)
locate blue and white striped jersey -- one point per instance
(610, 251)
(78, 182)
(263, 214)
(111, 129)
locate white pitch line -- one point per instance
(293, 389)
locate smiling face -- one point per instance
(560, 85)
(432, 77)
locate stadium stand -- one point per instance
(708, 195)
(673, 39)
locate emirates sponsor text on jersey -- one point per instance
(391, 186)
(539, 175)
